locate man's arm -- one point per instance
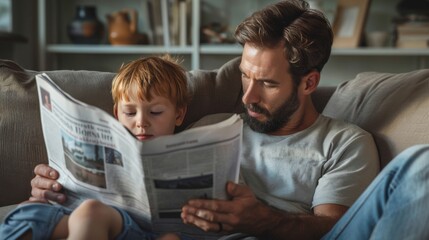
(44, 186)
(246, 214)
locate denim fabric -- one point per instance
(42, 219)
(395, 205)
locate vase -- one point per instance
(85, 28)
(122, 28)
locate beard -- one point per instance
(275, 120)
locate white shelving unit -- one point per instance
(422, 55)
(53, 49)
(55, 53)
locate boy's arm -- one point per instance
(44, 186)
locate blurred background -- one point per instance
(102, 34)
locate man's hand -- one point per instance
(44, 186)
(243, 213)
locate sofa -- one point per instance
(393, 107)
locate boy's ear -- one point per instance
(115, 111)
(180, 115)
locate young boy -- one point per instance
(150, 99)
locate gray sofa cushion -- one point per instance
(20, 145)
(393, 107)
(216, 91)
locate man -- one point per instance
(302, 170)
(294, 159)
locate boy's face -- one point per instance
(149, 119)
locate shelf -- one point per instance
(109, 49)
(362, 51)
(386, 51)
(221, 49)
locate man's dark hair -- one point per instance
(305, 33)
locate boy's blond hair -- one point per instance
(149, 76)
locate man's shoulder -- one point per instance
(342, 126)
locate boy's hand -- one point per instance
(44, 186)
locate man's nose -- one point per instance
(251, 93)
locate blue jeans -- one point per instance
(41, 219)
(395, 205)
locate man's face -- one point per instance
(270, 95)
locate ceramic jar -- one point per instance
(85, 28)
(122, 28)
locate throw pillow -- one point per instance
(393, 107)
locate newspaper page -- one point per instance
(99, 158)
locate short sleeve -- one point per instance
(350, 170)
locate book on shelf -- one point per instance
(183, 19)
(155, 20)
(165, 22)
(98, 158)
(174, 21)
(413, 28)
(412, 34)
(412, 40)
(412, 43)
(169, 21)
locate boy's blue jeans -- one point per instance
(395, 205)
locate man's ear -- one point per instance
(115, 111)
(180, 115)
(310, 82)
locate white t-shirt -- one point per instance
(329, 162)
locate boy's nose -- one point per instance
(142, 123)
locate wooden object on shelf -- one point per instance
(349, 23)
(122, 26)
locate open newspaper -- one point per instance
(99, 158)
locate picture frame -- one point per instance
(349, 23)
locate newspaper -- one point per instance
(98, 158)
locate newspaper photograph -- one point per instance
(98, 158)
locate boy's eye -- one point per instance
(156, 112)
(129, 114)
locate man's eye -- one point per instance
(156, 112)
(269, 84)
